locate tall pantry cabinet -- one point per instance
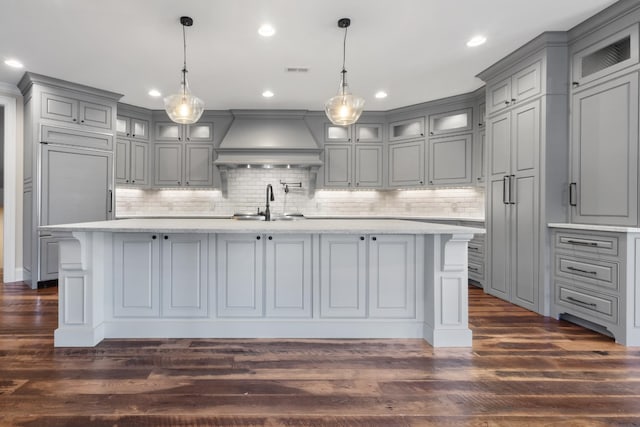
(69, 137)
(526, 138)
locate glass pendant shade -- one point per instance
(345, 108)
(183, 107)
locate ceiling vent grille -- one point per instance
(297, 69)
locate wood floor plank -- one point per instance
(523, 370)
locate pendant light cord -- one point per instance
(184, 67)
(344, 58)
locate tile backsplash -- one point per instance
(247, 192)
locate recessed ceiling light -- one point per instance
(381, 94)
(266, 30)
(476, 41)
(14, 63)
(155, 93)
(267, 94)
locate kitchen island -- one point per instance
(206, 278)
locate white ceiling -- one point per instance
(413, 49)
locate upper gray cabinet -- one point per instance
(132, 127)
(450, 160)
(604, 176)
(596, 57)
(183, 165)
(360, 132)
(406, 163)
(520, 86)
(451, 122)
(406, 129)
(75, 110)
(174, 132)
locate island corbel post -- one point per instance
(430, 277)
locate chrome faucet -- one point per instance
(267, 212)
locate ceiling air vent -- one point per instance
(297, 69)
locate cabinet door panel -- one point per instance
(524, 241)
(337, 165)
(240, 275)
(450, 160)
(136, 282)
(392, 278)
(75, 185)
(499, 95)
(527, 82)
(139, 163)
(139, 129)
(334, 133)
(198, 170)
(406, 164)
(123, 161)
(526, 137)
(123, 126)
(199, 132)
(168, 165)
(288, 276)
(368, 166)
(184, 275)
(478, 157)
(606, 173)
(168, 131)
(96, 115)
(56, 107)
(498, 239)
(499, 144)
(342, 276)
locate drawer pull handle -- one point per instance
(590, 304)
(473, 268)
(474, 248)
(579, 270)
(581, 243)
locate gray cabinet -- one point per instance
(353, 166)
(406, 129)
(240, 275)
(595, 56)
(406, 163)
(360, 132)
(338, 165)
(516, 88)
(132, 162)
(512, 220)
(183, 165)
(368, 166)
(136, 275)
(451, 122)
(184, 275)
(343, 264)
(604, 176)
(478, 157)
(288, 276)
(450, 160)
(76, 185)
(392, 276)
(132, 127)
(76, 110)
(172, 132)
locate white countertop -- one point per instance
(595, 227)
(311, 216)
(315, 226)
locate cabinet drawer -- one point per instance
(599, 273)
(582, 301)
(595, 244)
(475, 269)
(475, 248)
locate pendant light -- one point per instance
(184, 107)
(345, 108)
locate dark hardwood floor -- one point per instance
(523, 369)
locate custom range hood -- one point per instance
(266, 140)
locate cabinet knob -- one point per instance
(154, 237)
(166, 237)
(506, 102)
(361, 237)
(75, 120)
(430, 133)
(127, 133)
(134, 135)
(421, 133)
(349, 183)
(270, 237)
(357, 139)
(178, 182)
(421, 182)
(575, 84)
(513, 100)
(479, 124)
(357, 183)
(126, 180)
(133, 181)
(374, 238)
(81, 121)
(188, 138)
(257, 237)
(187, 182)
(430, 182)
(179, 139)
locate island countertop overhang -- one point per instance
(312, 226)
